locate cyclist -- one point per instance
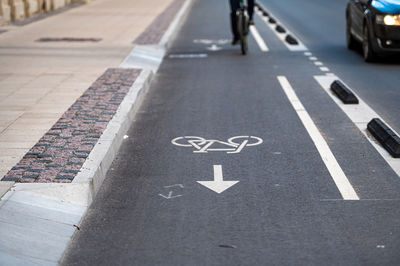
(235, 6)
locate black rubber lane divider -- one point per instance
(386, 137)
(343, 92)
(265, 13)
(280, 29)
(272, 21)
(291, 40)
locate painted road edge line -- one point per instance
(360, 114)
(258, 39)
(342, 182)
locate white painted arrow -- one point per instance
(214, 47)
(218, 185)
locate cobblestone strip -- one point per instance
(61, 152)
(154, 32)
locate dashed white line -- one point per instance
(313, 58)
(324, 69)
(318, 63)
(258, 39)
(336, 172)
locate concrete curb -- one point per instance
(37, 221)
(96, 166)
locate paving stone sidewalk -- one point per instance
(39, 81)
(61, 152)
(51, 187)
(59, 155)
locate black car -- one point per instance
(375, 24)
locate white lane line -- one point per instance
(307, 53)
(258, 39)
(336, 172)
(313, 58)
(324, 69)
(300, 47)
(361, 114)
(318, 63)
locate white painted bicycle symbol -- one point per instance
(202, 145)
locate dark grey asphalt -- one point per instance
(286, 210)
(321, 25)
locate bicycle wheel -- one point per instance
(244, 44)
(243, 30)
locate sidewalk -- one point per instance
(53, 128)
(40, 80)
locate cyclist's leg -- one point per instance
(234, 6)
(250, 9)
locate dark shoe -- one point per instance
(235, 40)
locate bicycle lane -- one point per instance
(152, 210)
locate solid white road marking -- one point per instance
(218, 185)
(184, 56)
(209, 42)
(361, 114)
(258, 39)
(336, 172)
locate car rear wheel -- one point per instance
(368, 52)
(351, 42)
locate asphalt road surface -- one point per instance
(310, 188)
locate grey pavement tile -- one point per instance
(33, 211)
(19, 260)
(29, 242)
(19, 218)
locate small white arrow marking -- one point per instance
(218, 185)
(171, 192)
(170, 196)
(214, 47)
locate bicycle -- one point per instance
(242, 20)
